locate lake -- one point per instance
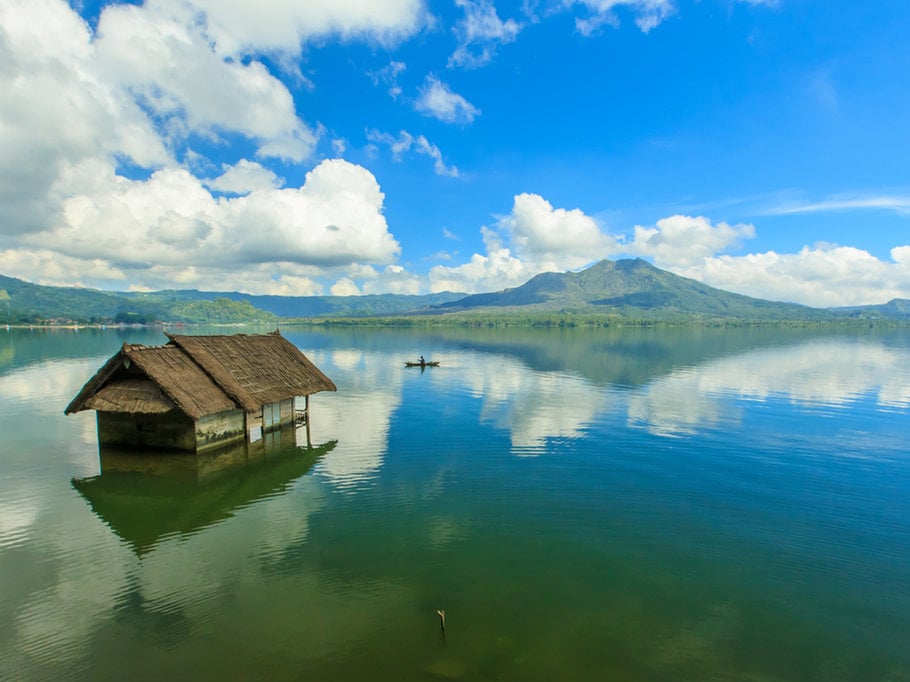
(583, 505)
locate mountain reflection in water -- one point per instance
(540, 385)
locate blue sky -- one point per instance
(413, 146)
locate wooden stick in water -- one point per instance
(442, 619)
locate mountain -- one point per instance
(628, 289)
(320, 306)
(27, 302)
(633, 288)
(24, 302)
(895, 309)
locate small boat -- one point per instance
(435, 363)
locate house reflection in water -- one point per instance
(145, 497)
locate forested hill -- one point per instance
(637, 289)
(622, 289)
(24, 302)
(896, 308)
(325, 306)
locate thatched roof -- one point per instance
(201, 375)
(255, 370)
(131, 396)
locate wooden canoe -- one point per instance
(435, 363)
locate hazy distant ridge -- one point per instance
(625, 288)
(22, 301)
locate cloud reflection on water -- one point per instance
(816, 374)
(358, 415)
(532, 406)
(81, 578)
(538, 406)
(41, 392)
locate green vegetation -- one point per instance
(220, 311)
(33, 304)
(624, 293)
(632, 290)
(585, 321)
(36, 304)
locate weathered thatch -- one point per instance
(131, 395)
(255, 370)
(182, 380)
(179, 380)
(201, 375)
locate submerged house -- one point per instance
(196, 392)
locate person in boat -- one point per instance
(422, 361)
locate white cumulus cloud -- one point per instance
(160, 53)
(681, 240)
(394, 279)
(244, 177)
(282, 25)
(58, 109)
(821, 275)
(495, 270)
(80, 104)
(437, 100)
(535, 237)
(557, 236)
(170, 228)
(344, 287)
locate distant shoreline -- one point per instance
(158, 325)
(567, 321)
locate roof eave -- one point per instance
(77, 404)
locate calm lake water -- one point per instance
(584, 505)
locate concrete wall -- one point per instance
(208, 464)
(220, 428)
(170, 431)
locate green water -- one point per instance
(584, 505)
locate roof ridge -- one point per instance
(240, 371)
(215, 369)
